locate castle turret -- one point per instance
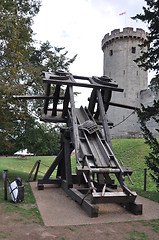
(120, 50)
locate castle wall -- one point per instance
(120, 50)
(147, 99)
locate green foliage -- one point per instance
(149, 60)
(20, 70)
(38, 138)
(15, 69)
(152, 160)
(15, 39)
(51, 58)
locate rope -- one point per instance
(41, 172)
(123, 120)
(89, 191)
(45, 165)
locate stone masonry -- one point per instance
(120, 49)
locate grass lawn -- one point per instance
(17, 166)
(130, 151)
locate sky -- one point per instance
(80, 26)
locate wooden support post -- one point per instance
(67, 157)
(5, 173)
(104, 118)
(53, 165)
(134, 208)
(92, 101)
(81, 199)
(65, 103)
(32, 170)
(55, 100)
(46, 103)
(74, 123)
(37, 169)
(145, 176)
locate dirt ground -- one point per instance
(14, 226)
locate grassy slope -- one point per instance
(130, 151)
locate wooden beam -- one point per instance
(30, 97)
(92, 101)
(67, 157)
(77, 196)
(49, 181)
(65, 103)
(103, 118)
(135, 208)
(55, 119)
(123, 106)
(77, 84)
(112, 197)
(32, 170)
(74, 123)
(86, 169)
(46, 103)
(54, 165)
(55, 100)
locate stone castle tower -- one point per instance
(120, 50)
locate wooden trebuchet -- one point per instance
(86, 132)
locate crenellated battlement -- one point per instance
(127, 32)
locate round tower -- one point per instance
(120, 50)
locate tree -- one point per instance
(15, 40)
(150, 61)
(39, 138)
(21, 66)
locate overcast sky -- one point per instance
(80, 25)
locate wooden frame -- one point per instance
(92, 184)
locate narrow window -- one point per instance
(137, 73)
(123, 72)
(111, 52)
(133, 49)
(125, 94)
